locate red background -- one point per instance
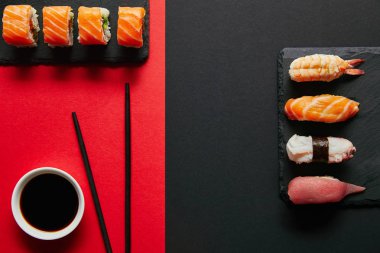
(36, 130)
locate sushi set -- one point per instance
(20, 26)
(57, 32)
(328, 126)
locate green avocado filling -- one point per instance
(35, 35)
(71, 21)
(105, 23)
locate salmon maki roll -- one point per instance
(94, 28)
(324, 108)
(20, 25)
(322, 67)
(58, 26)
(130, 26)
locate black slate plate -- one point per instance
(77, 54)
(363, 130)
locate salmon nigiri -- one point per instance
(93, 26)
(324, 108)
(319, 190)
(130, 26)
(322, 67)
(20, 25)
(58, 26)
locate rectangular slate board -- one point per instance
(77, 54)
(363, 130)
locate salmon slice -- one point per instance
(324, 108)
(90, 23)
(57, 22)
(130, 26)
(20, 25)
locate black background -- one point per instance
(221, 133)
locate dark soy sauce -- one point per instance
(49, 202)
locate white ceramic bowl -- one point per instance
(24, 225)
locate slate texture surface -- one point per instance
(77, 54)
(362, 130)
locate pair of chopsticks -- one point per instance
(91, 181)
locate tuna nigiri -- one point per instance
(307, 149)
(321, 67)
(130, 26)
(324, 108)
(93, 26)
(20, 25)
(58, 25)
(319, 190)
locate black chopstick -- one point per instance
(127, 170)
(91, 181)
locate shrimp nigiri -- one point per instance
(319, 190)
(321, 67)
(323, 108)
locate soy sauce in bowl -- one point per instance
(49, 202)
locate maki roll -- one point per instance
(58, 26)
(20, 26)
(130, 26)
(93, 24)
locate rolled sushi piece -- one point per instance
(58, 26)
(94, 26)
(20, 26)
(319, 190)
(307, 149)
(130, 26)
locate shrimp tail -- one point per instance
(354, 72)
(355, 62)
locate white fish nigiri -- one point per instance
(319, 190)
(307, 149)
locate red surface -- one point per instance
(37, 130)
